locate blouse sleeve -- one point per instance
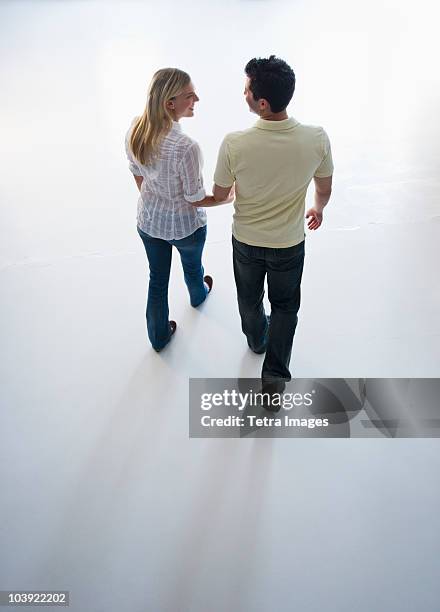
(132, 162)
(190, 172)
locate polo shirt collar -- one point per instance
(176, 126)
(276, 126)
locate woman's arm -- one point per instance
(139, 181)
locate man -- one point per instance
(272, 164)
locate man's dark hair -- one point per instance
(271, 79)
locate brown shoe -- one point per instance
(209, 281)
(173, 327)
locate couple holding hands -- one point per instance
(265, 170)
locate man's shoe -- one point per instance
(209, 281)
(273, 385)
(272, 393)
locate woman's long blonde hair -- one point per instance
(151, 127)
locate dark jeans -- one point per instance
(274, 334)
(159, 258)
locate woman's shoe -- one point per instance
(173, 327)
(209, 281)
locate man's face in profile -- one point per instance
(253, 104)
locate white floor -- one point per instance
(103, 493)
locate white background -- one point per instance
(103, 494)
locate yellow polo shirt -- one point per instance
(272, 164)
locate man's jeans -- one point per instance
(159, 258)
(284, 271)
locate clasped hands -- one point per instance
(222, 195)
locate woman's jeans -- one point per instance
(159, 258)
(274, 336)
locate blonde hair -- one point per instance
(151, 127)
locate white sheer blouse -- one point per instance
(170, 185)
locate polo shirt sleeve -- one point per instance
(224, 173)
(190, 172)
(326, 166)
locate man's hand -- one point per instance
(314, 218)
(205, 203)
(222, 195)
(323, 190)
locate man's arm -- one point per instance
(323, 191)
(221, 195)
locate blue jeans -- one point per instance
(159, 258)
(272, 335)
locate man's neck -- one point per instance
(275, 116)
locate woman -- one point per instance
(167, 167)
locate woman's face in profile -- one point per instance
(182, 105)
